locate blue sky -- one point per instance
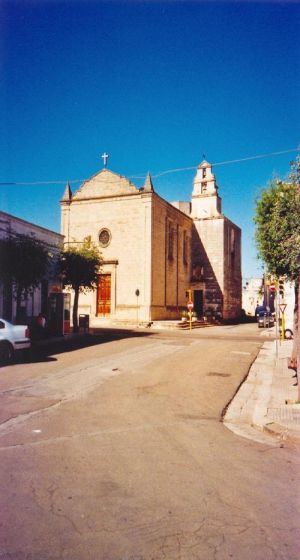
(157, 85)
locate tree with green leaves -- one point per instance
(24, 263)
(277, 219)
(79, 270)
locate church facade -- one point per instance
(154, 252)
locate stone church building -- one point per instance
(154, 251)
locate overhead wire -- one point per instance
(228, 161)
(160, 174)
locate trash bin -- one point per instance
(84, 321)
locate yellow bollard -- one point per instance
(282, 326)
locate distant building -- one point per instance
(37, 302)
(154, 252)
(252, 295)
(255, 293)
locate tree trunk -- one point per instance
(298, 336)
(7, 299)
(18, 305)
(293, 360)
(75, 309)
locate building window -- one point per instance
(204, 187)
(204, 173)
(198, 272)
(104, 237)
(232, 249)
(232, 260)
(170, 241)
(185, 248)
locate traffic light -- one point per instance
(188, 295)
(272, 288)
(281, 288)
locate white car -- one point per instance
(12, 337)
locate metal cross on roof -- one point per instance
(105, 157)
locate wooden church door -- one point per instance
(104, 294)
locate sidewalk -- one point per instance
(260, 402)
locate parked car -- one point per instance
(260, 309)
(265, 319)
(12, 338)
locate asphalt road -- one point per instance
(112, 448)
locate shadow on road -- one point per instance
(44, 350)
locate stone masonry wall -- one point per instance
(170, 262)
(208, 253)
(218, 247)
(232, 271)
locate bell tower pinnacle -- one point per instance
(206, 202)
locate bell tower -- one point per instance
(206, 202)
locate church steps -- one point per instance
(97, 323)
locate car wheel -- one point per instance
(6, 352)
(288, 334)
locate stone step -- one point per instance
(163, 324)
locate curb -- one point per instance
(260, 401)
(282, 432)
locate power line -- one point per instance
(257, 157)
(228, 161)
(43, 182)
(142, 176)
(174, 171)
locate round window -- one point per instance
(104, 237)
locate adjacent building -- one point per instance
(252, 295)
(37, 301)
(155, 254)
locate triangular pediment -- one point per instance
(104, 184)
